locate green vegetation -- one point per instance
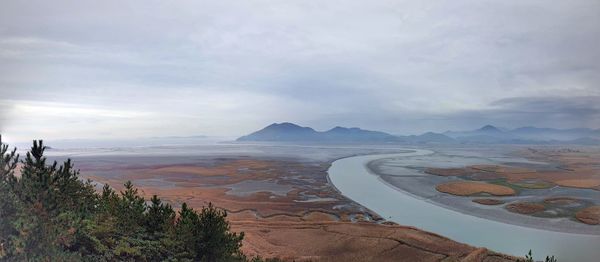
(529, 258)
(534, 184)
(47, 213)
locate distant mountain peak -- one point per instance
(490, 128)
(283, 124)
(291, 132)
(338, 129)
(488, 134)
(287, 126)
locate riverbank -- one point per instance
(352, 178)
(408, 176)
(280, 197)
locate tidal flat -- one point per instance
(279, 195)
(518, 185)
(276, 186)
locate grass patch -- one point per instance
(503, 182)
(534, 184)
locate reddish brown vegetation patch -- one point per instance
(590, 215)
(580, 183)
(280, 226)
(525, 208)
(576, 169)
(467, 188)
(449, 171)
(488, 201)
(561, 200)
(343, 241)
(502, 169)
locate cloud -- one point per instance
(229, 67)
(75, 111)
(545, 111)
(562, 112)
(5, 110)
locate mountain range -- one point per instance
(292, 132)
(289, 132)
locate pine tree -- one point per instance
(185, 232)
(55, 203)
(159, 217)
(8, 162)
(216, 242)
(48, 213)
(206, 236)
(9, 206)
(130, 210)
(33, 187)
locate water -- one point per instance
(351, 177)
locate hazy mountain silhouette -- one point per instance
(292, 132)
(429, 137)
(488, 134)
(525, 135)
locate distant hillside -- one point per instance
(489, 134)
(282, 132)
(487, 131)
(526, 135)
(537, 133)
(355, 134)
(292, 132)
(428, 138)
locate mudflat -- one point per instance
(543, 187)
(590, 215)
(469, 188)
(285, 205)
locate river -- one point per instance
(352, 178)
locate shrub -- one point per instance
(48, 213)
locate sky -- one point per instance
(130, 69)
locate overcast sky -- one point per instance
(125, 69)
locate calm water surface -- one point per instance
(351, 177)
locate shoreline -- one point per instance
(356, 182)
(464, 205)
(489, 217)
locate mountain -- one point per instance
(355, 134)
(488, 134)
(487, 131)
(588, 141)
(537, 133)
(288, 132)
(282, 132)
(524, 135)
(430, 137)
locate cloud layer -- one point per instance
(230, 67)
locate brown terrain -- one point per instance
(288, 210)
(576, 172)
(488, 201)
(574, 169)
(590, 215)
(525, 207)
(468, 188)
(560, 200)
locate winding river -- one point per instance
(352, 178)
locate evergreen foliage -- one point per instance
(529, 258)
(47, 213)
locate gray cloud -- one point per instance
(4, 114)
(561, 112)
(229, 67)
